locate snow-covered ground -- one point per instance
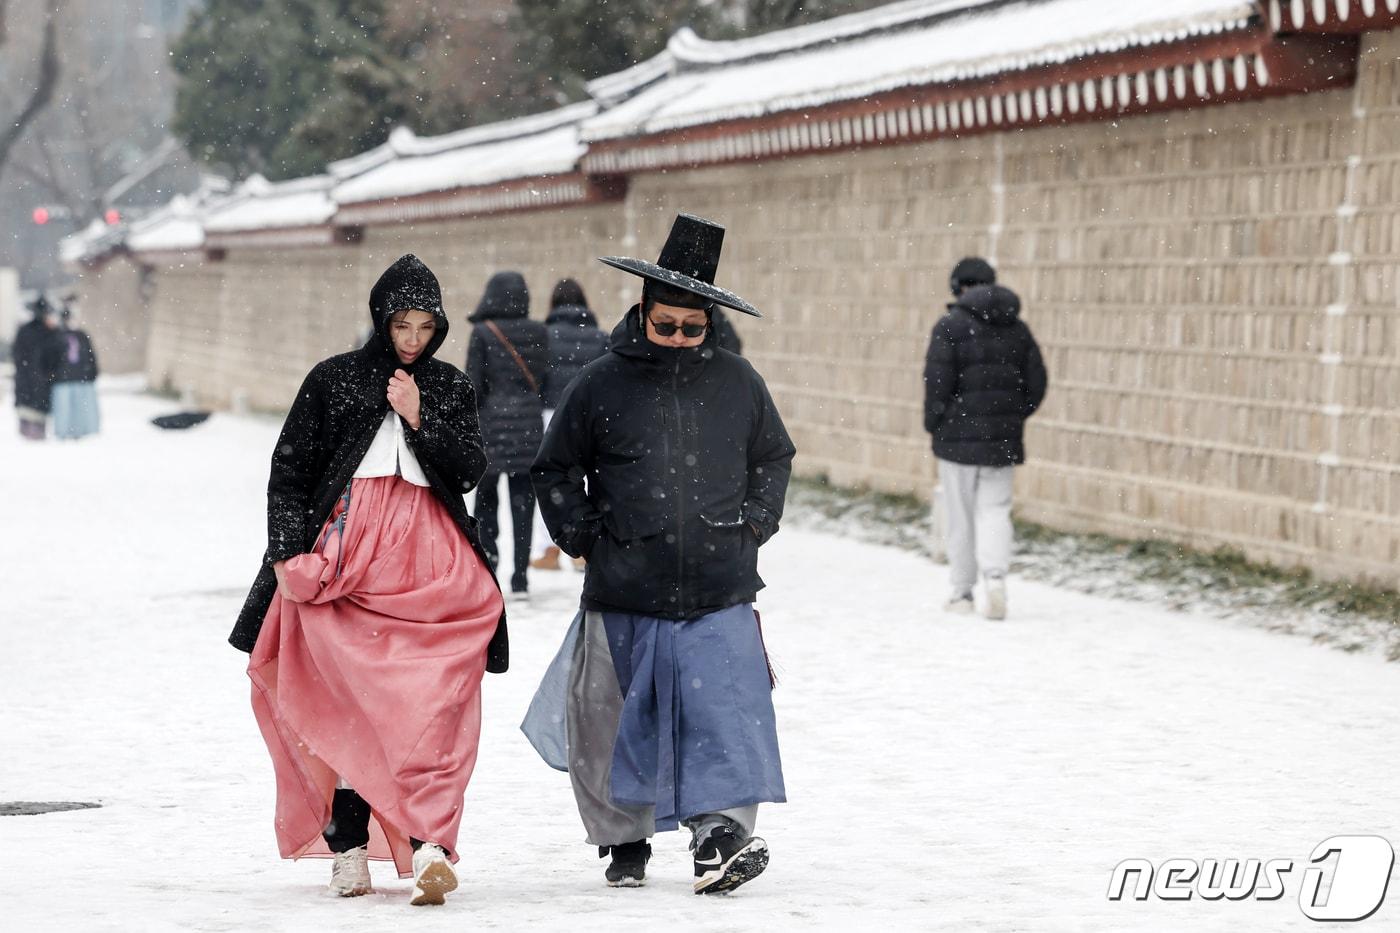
(944, 773)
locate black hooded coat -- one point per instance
(512, 411)
(333, 421)
(667, 468)
(36, 354)
(575, 340)
(983, 377)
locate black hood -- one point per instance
(628, 340)
(407, 284)
(994, 304)
(506, 296)
(578, 315)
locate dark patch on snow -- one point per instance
(37, 807)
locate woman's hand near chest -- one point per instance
(404, 398)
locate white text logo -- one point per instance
(1348, 883)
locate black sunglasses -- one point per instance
(667, 329)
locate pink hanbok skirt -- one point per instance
(372, 675)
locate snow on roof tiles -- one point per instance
(901, 45)
(92, 241)
(180, 233)
(542, 144)
(258, 204)
(176, 226)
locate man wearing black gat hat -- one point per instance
(666, 466)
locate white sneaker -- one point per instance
(961, 605)
(350, 873)
(433, 876)
(996, 598)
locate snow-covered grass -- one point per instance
(1346, 615)
(944, 773)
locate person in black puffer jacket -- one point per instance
(507, 363)
(575, 340)
(725, 334)
(983, 377)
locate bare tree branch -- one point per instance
(43, 91)
(71, 199)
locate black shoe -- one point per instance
(629, 864)
(724, 860)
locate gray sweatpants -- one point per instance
(977, 516)
(594, 710)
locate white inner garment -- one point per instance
(390, 454)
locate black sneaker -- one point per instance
(629, 864)
(724, 860)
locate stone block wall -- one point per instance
(115, 314)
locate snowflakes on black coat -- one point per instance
(332, 423)
(666, 468)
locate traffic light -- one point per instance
(48, 213)
(112, 216)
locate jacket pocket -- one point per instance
(722, 540)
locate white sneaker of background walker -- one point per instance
(350, 873)
(996, 598)
(433, 876)
(960, 604)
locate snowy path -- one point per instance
(977, 776)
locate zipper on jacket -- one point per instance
(680, 489)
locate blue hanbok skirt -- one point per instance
(74, 410)
(697, 732)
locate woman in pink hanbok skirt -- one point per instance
(375, 614)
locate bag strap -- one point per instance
(515, 355)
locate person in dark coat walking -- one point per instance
(36, 355)
(574, 341)
(726, 337)
(666, 465)
(983, 377)
(375, 614)
(75, 411)
(506, 360)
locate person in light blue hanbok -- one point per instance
(75, 412)
(666, 465)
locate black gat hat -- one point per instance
(687, 263)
